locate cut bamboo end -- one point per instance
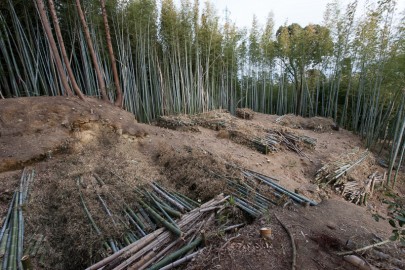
(266, 232)
(26, 262)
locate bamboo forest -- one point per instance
(126, 123)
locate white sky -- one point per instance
(302, 12)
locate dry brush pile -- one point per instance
(337, 174)
(240, 131)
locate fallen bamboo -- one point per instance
(168, 198)
(128, 256)
(176, 254)
(128, 250)
(364, 248)
(6, 221)
(157, 256)
(294, 249)
(171, 227)
(181, 261)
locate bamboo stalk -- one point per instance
(176, 254)
(26, 263)
(181, 261)
(173, 228)
(156, 256)
(8, 216)
(37, 245)
(128, 250)
(364, 248)
(168, 198)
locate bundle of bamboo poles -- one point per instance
(276, 189)
(274, 139)
(154, 207)
(175, 122)
(12, 231)
(164, 247)
(331, 173)
(358, 193)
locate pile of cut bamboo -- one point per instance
(152, 209)
(166, 248)
(175, 122)
(12, 231)
(274, 139)
(331, 173)
(249, 195)
(244, 113)
(358, 193)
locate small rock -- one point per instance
(331, 225)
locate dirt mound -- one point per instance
(246, 133)
(318, 124)
(42, 126)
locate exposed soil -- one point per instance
(64, 139)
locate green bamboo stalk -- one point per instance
(3, 242)
(166, 207)
(162, 210)
(168, 259)
(37, 245)
(189, 200)
(131, 220)
(136, 218)
(6, 258)
(8, 217)
(174, 229)
(12, 259)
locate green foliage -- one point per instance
(396, 208)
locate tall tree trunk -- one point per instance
(299, 95)
(118, 101)
(63, 49)
(58, 62)
(100, 79)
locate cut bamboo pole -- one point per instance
(128, 250)
(176, 254)
(168, 198)
(173, 228)
(26, 263)
(8, 216)
(181, 261)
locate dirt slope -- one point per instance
(64, 138)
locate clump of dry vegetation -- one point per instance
(318, 124)
(195, 172)
(245, 113)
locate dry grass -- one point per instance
(245, 113)
(194, 172)
(318, 124)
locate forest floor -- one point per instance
(63, 138)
